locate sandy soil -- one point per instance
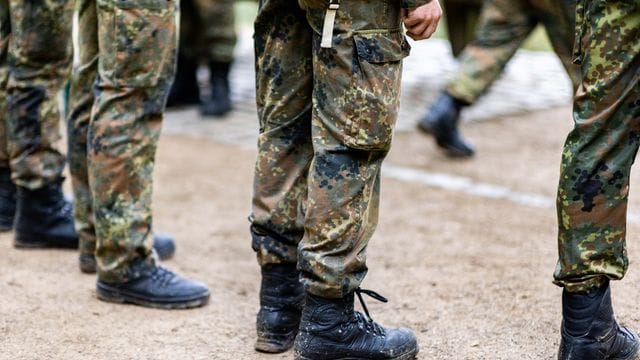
(471, 275)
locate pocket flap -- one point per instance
(381, 47)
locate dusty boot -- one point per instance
(163, 244)
(281, 299)
(185, 90)
(155, 287)
(331, 329)
(219, 103)
(441, 120)
(590, 331)
(44, 218)
(7, 200)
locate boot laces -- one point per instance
(162, 275)
(367, 321)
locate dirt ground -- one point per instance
(470, 274)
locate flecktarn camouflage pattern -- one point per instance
(207, 29)
(129, 48)
(323, 136)
(503, 26)
(35, 61)
(599, 152)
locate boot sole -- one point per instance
(6, 224)
(27, 242)
(268, 344)
(113, 295)
(407, 356)
(635, 355)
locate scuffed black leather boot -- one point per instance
(7, 200)
(155, 287)
(185, 90)
(331, 330)
(163, 244)
(590, 331)
(441, 120)
(219, 103)
(281, 300)
(44, 218)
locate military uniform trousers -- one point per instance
(598, 153)
(502, 28)
(207, 30)
(326, 121)
(118, 92)
(35, 62)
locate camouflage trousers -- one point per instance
(502, 28)
(207, 29)
(599, 152)
(127, 53)
(35, 61)
(326, 121)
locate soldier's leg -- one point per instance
(81, 99)
(5, 35)
(217, 43)
(284, 88)
(7, 188)
(355, 105)
(594, 181)
(185, 90)
(39, 63)
(136, 62)
(502, 28)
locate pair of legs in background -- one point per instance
(35, 62)
(112, 137)
(594, 180)
(127, 52)
(502, 28)
(326, 121)
(208, 35)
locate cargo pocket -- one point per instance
(377, 71)
(144, 42)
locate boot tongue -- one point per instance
(326, 313)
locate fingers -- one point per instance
(422, 21)
(424, 31)
(412, 19)
(417, 29)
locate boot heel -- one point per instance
(275, 343)
(109, 296)
(28, 242)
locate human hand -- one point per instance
(422, 21)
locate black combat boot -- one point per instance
(7, 200)
(590, 331)
(185, 90)
(332, 330)
(163, 244)
(44, 218)
(281, 300)
(441, 120)
(155, 287)
(219, 102)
